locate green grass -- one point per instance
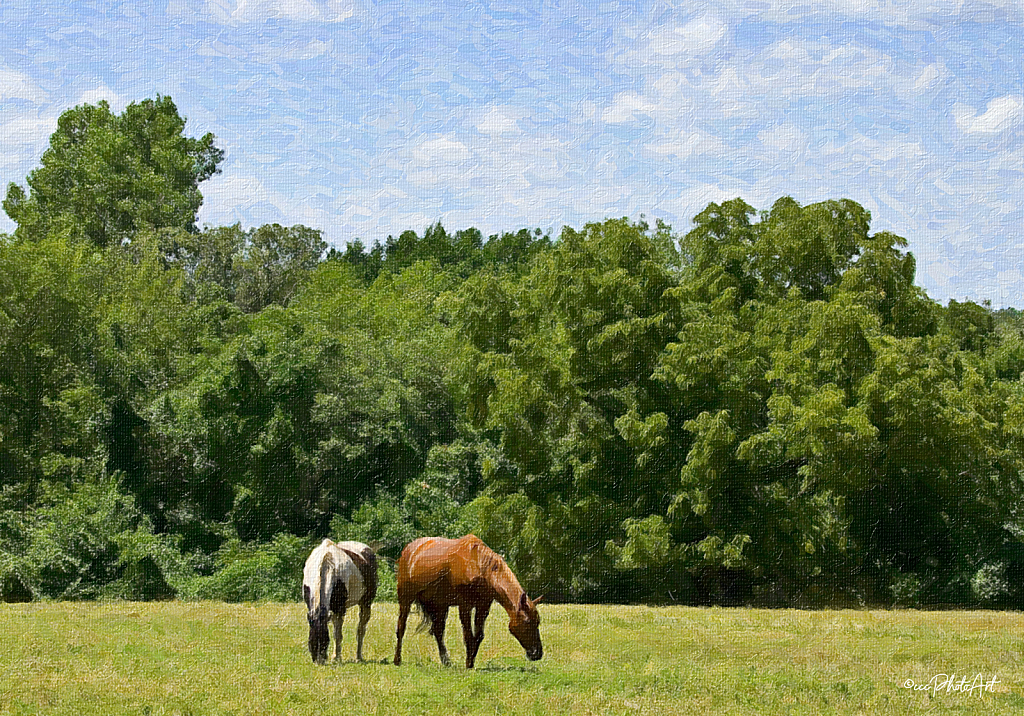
(212, 658)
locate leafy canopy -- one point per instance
(105, 177)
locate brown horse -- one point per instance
(439, 573)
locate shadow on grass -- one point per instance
(365, 662)
(491, 667)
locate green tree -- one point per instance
(105, 176)
(560, 373)
(50, 402)
(303, 412)
(210, 260)
(274, 263)
(839, 413)
(465, 252)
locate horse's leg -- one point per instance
(439, 619)
(338, 603)
(403, 618)
(478, 634)
(339, 620)
(466, 617)
(472, 637)
(364, 618)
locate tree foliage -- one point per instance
(106, 176)
(764, 409)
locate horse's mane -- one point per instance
(493, 565)
(489, 560)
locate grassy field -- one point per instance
(211, 658)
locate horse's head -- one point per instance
(524, 624)
(318, 636)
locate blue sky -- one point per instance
(364, 119)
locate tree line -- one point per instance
(765, 409)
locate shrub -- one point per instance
(13, 587)
(253, 573)
(384, 522)
(906, 590)
(990, 585)
(388, 524)
(13, 528)
(91, 541)
(143, 580)
(387, 582)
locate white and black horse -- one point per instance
(338, 576)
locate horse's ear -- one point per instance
(524, 602)
(537, 600)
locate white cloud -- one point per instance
(498, 121)
(26, 133)
(247, 195)
(660, 47)
(786, 138)
(494, 181)
(918, 13)
(236, 188)
(625, 107)
(15, 85)
(255, 11)
(1002, 113)
(813, 68)
(260, 10)
(687, 143)
(694, 38)
(117, 102)
(762, 86)
(440, 165)
(928, 78)
(24, 137)
(441, 151)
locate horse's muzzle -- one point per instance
(535, 654)
(318, 639)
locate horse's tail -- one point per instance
(313, 581)
(370, 577)
(426, 618)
